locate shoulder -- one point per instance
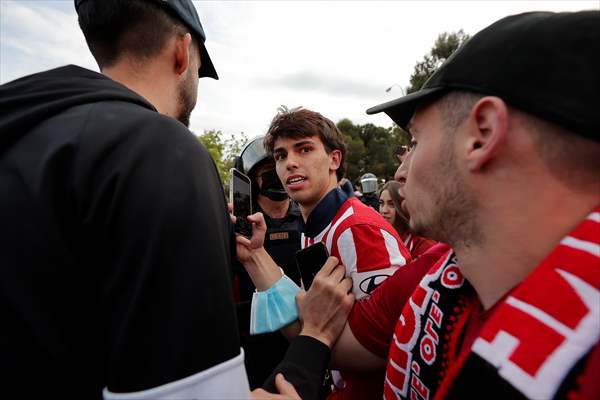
(358, 216)
(116, 125)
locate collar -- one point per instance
(323, 213)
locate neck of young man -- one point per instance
(306, 208)
(274, 209)
(516, 238)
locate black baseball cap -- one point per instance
(546, 64)
(185, 11)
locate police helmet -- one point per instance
(368, 183)
(252, 155)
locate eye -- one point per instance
(279, 156)
(305, 149)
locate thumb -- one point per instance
(285, 388)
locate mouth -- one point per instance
(295, 182)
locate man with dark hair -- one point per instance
(116, 241)
(309, 151)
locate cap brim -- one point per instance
(401, 110)
(207, 69)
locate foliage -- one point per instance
(223, 150)
(371, 149)
(445, 44)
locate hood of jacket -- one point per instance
(27, 101)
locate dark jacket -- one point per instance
(115, 244)
(108, 274)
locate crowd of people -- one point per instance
(475, 273)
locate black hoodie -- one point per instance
(115, 244)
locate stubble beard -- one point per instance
(452, 218)
(186, 99)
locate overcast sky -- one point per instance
(337, 58)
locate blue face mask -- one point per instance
(274, 308)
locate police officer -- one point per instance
(282, 240)
(368, 183)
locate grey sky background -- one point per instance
(333, 57)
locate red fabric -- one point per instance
(373, 320)
(367, 245)
(357, 236)
(550, 319)
(418, 245)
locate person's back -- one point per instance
(109, 277)
(100, 209)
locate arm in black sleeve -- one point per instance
(303, 366)
(151, 202)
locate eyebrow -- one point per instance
(303, 143)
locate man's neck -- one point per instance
(306, 209)
(153, 89)
(274, 209)
(515, 243)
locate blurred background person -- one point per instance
(390, 207)
(368, 184)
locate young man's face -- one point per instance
(305, 168)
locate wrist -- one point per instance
(262, 269)
(317, 335)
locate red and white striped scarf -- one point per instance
(534, 345)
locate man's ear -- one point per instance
(335, 158)
(182, 59)
(488, 123)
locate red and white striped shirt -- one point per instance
(366, 244)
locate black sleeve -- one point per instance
(157, 235)
(303, 366)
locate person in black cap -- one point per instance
(504, 167)
(116, 239)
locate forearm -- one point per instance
(262, 269)
(348, 354)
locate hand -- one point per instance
(286, 391)
(325, 307)
(245, 246)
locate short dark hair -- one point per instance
(300, 122)
(140, 28)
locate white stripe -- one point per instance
(595, 216)
(347, 251)
(583, 245)
(540, 315)
(345, 215)
(391, 244)
(223, 381)
(319, 237)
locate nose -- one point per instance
(402, 171)
(290, 162)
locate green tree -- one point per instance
(371, 149)
(223, 150)
(445, 44)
